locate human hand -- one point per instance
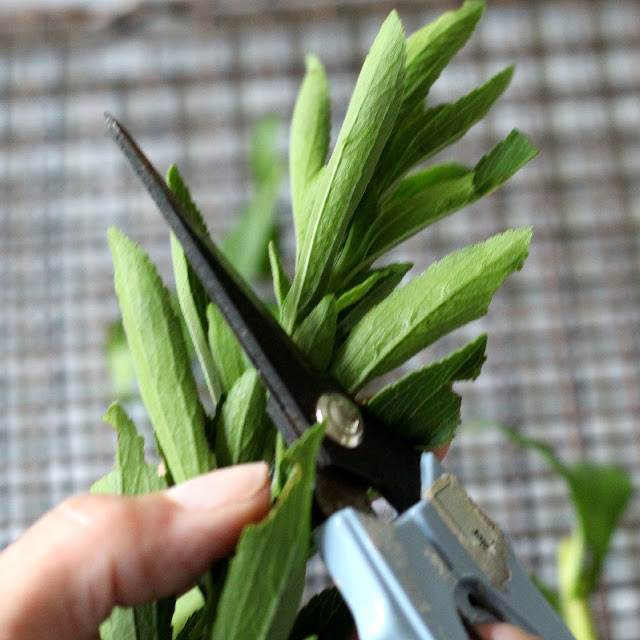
(55, 585)
(64, 576)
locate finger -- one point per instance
(65, 575)
(502, 631)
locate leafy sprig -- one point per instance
(600, 494)
(350, 316)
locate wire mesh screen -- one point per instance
(564, 338)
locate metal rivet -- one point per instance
(342, 419)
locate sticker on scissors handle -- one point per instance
(475, 531)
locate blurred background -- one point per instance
(189, 79)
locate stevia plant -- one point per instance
(599, 494)
(344, 309)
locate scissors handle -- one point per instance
(432, 574)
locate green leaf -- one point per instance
(428, 52)
(279, 479)
(430, 195)
(452, 292)
(265, 159)
(119, 362)
(246, 244)
(367, 125)
(281, 283)
(191, 294)
(160, 359)
(316, 334)
(378, 227)
(502, 162)
(192, 319)
(190, 629)
(419, 201)
(241, 433)
(187, 613)
(326, 616)
(271, 557)
(309, 139)
(375, 287)
(226, 349)
(422, 407)
(600, 494)
(443, 125)
(176, 183)
(427, 196)
(430, 49)
(367, 283)
(131, 476)
(353, 249)
(426, 133)
(143, 622)
(199, 624)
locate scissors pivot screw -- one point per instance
(342, 418)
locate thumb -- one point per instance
(93, 552)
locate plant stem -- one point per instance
(574, 606)
(579, 618)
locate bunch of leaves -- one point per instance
(349, 315)
(599, 494)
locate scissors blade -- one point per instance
(386, 463)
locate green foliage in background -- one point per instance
(347, 312)
(599, 494)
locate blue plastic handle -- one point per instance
(440, 562)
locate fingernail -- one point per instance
(221, 487)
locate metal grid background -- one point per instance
(564, 346)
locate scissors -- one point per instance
(442, 565)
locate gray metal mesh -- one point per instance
(564, 346)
